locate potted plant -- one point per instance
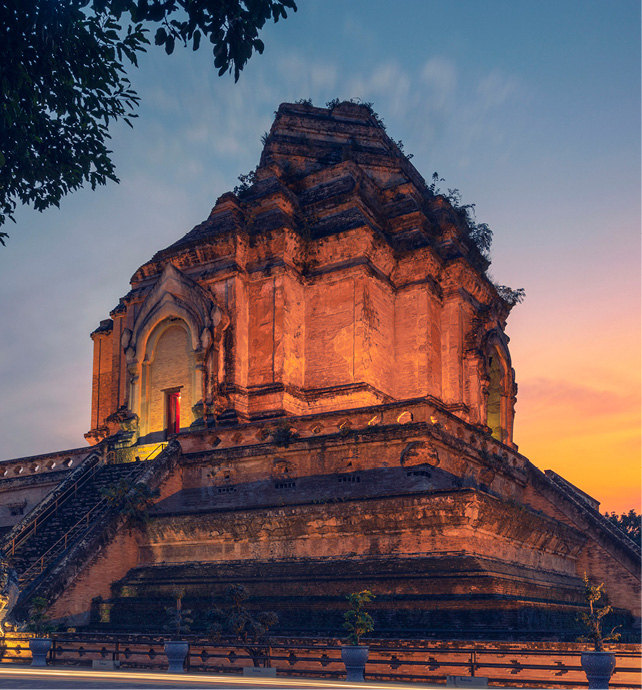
(598, 664)
(179, 622)
(40, 624)
(357, 622)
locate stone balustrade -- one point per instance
(40, 464)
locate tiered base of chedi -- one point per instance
(326, 356)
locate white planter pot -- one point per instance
(599, 667)
(176, 652)
(354, 659)
(39, 647)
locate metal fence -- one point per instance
(546, 665)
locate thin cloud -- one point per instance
(354, 31)
(439, 78)
(548, 396)
(494, 89)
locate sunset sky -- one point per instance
(530, 109)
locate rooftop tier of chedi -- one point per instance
(334, 279)
(317, 381)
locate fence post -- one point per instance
(473, 662)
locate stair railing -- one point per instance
(161, 445)
(30, 574)
(32, 527)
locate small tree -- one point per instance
(39, 622)
(179, 619)
(235, 619)
(283, 434)
(133, 500)
(629, 523)
(593, 619)
(356, 621)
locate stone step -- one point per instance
(70, 513)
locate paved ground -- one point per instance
(27, 678)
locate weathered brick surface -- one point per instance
(108, 566)
(413, 525)
(347, 404)
(345, 284)
(403, 535)
(604, 559)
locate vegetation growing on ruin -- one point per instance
(283, 434)
(479, 235)
(245, 182)
(132, 500)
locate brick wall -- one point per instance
(109, 565)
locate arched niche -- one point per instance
(168, 382)
(177, 325)
(496, 371)
(499, 394)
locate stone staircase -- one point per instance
(51, 545)
(44, 539)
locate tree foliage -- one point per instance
(511, 296)
(233, 618)
(593, 619)
(480, 234)
(39, 622)
(63, 74)
(356, 621)
(283, 434)
(629, 523)
(132, 500)
(179, 619)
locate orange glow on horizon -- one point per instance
(578, 406)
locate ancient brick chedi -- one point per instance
(335, 281)
(325, 356)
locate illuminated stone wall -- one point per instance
(339, 281)
(347, 404)
(443, 524)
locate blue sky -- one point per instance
(531, 109)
